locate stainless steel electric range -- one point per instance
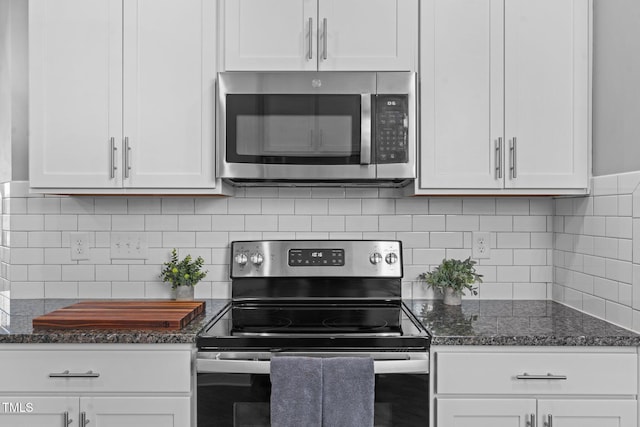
(315, 298)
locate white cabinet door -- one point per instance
(484, 412)
(136, 411)
(461, 93)
(38, 411)
(169, 75)
(588, 413)
(379, 35)
(546, 93)
(270, 35)
(75, 90)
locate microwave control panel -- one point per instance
(391, 129)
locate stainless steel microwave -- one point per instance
(317, 127)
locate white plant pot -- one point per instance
(184, 293)
(451, 297)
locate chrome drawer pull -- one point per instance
(65, 419)
(67, 374)
(549, 423)
(83, 419)
(526, 376)
(531, 422)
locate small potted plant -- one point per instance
(183, 275)
(452, 277)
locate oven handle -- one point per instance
(365, 129)
(407, 363)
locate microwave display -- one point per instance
(391, 133)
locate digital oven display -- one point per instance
(316, 257)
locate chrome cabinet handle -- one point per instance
(549, 422)
(113, 150)
(531, 420)
(127, 160)
(83, 419)
(65, 419)
(499, 158)
(324, 38)
(514, 156)
(310, 55)
(67, 374)
(526, 376)
(365, 129)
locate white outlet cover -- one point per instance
(129, 246)
(79, 246)
(481, 245)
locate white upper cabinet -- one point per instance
(309, 35)
(75, 92)
(505, 96)
(122, 95)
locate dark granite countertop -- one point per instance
(513, 323)
(476, 322)
(15, 326)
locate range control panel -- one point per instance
(317, 258)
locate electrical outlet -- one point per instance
(129, 246)
(481, 245)
(79, 243)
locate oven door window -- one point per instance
(235, 400)
(293, 129)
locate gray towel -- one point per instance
(348, 385)
(296, 392)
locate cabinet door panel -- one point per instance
(546, 92)
(589, 413)
(37, 411)
(137, 411)
(462, 93)
(484, 412)
(367, 34)
(169, 79)
(270, 35)
(75, 97)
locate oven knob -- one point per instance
(391, 258)
(241, 259)
(375, 258)
(257, 259)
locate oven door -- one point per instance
(234, 388)
(295, 126)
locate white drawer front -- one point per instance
(117, 371)
(508, 373)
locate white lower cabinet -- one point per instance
(534, 387)
(98, 385)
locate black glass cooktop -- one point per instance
(296, 325)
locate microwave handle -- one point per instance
(365, 130)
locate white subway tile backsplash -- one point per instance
(445, 206)
(512, 206)
(112, 273)
(462, 223)
(345, 207)
(378, 206)
(278, 206)
(446, 239)
(144, 206)
(60, 289)
(479, 206)
(625, 205)
(594, 225)
(261, 223)
(628, 182)
(127, 290)
(127, 222)
(496, 223)
(605, 247)
(429, 223)
(327, 223)
(194, 223)
(605, 185)
(217, 205)
(530, 257)
(173, 239)
(43, 206)
(26, 222)
(594, 305)
(513, 240)
(395, 222)
(619, 270)
(74, 273)
(513, 274)
(244, 206)
(605, 206)
(94, 222)
(530, 223)
(94, 290)
(496, 290)
(180, 205)
(77, 205)
(619, 314)
(60, 222)
(311, 206)
(414, 205)
(44, 273)
(542, 274)
(227, 223)
(361, 223)
(296, 223)
(413, 239)
(110, 205)
(161, 223)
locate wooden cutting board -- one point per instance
(166, 315)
